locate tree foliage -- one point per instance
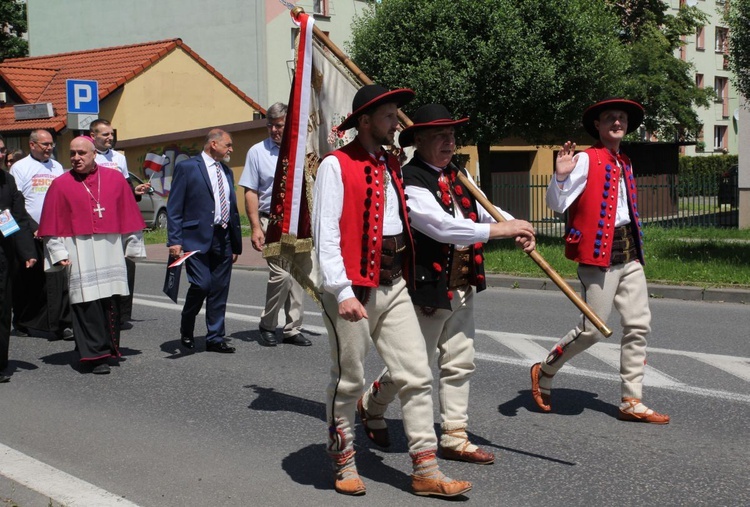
(514, 67)
(738, 21)
(657, 79)
(12, 27)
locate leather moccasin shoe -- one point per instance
(220, 347)
(423, 486)
(379, 436)
(351, 485)
(541, 399)
(299, 339)
(188, 342)
(267, 338)
(478, 457)
(642, 414)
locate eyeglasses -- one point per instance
(47, 145)
(276, 126)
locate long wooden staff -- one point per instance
(540, 261)
(481, 199)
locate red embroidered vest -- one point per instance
(591, 218)
(361, 222)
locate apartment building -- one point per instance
(707, 50)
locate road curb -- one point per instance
(656, 291)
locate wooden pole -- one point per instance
(540, 261)
(481, 199)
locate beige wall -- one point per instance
(174, 94)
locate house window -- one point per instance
(320, 7)
(700, 38)
(720, 137)
(721, 88)
(699, 80)
(720, 43)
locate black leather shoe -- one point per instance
(4, 379)
(187, 342)
(220, 347)
(298, 339)
(267, 338)
(22, 331)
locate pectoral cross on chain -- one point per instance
(99, 209)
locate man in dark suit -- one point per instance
(14, 247)
(202, 216)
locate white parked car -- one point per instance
(153, 206)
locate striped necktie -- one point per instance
(222, 197)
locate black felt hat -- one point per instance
(428, 116)
(633, 109)
(369, 97)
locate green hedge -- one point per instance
(700, 175)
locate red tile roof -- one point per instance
(42, 78)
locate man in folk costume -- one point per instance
(603, 235)
(91, 222)
(450, 230)
(365, 249)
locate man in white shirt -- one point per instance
(44, 304)
(365, 250)
(604, 236)
(450, 230)
(283, 293)
(102, 133)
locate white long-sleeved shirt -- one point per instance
(328, 203)
(560, 195)
(428, 217)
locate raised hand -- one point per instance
(566, 161)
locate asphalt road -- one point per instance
(173, 429)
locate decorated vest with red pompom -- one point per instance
(434, 259)
(591, 218)
(361, 222)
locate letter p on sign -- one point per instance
(82, 96)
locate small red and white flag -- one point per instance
(154, 162)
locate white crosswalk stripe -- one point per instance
(528, 349)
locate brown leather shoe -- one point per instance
(351, 485)
(649, 416)
(423, 486)
(379, 436)
(478, 457)
(541, 399)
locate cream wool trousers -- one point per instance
(624, 287)
(393, 328)
(449, 341)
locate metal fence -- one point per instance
(665, 199)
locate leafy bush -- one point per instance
(700, 175)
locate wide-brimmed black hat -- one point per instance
(428, 116)
(369, 97)
(633, 109)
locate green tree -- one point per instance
(12, 27)
(660, 81)
(518, 68)
(738, 21)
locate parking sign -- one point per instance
(82, 96)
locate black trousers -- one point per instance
(96, 327)
(6, 306)
(125, 303)
(41, 299)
